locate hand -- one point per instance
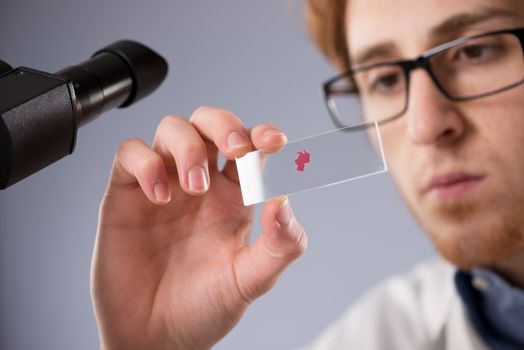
(172, 268)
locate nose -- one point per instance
(431, 117)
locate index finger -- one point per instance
(229, 134)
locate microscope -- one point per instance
(40, 113)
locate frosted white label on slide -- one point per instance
(317, 161)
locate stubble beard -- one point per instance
(473, 234)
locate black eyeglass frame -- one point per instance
(422, 61)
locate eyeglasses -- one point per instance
(463, 69)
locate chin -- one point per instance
(476, 239)
(478, 229)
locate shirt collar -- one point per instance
(503, 304)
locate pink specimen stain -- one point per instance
(302, 159)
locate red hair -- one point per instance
(325, 20)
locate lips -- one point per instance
(453, 185)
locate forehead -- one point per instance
(409, 25)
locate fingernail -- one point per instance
(284, 214)
(272, 132)
(162, 193)
(235, 140)
(197, 179)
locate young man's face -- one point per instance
(459, 166)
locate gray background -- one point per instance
(252, 57)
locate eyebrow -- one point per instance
(460, 22)
(448, 27)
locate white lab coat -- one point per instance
(419, 310)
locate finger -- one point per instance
(265, 137)
(136, 164)
(230, 168)
(224, 129)
(230, 171)
(182, 147)
(282, 241)
(268, 138)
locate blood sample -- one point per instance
(302, 159)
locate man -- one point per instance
(172, 268)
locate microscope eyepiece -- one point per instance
(116, 76)
(40, 113)
(147, 68)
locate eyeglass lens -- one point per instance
(475, 68)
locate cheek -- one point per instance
(396, 150)
(498, 125)
(492, 142)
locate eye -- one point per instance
(386, 83)
(474, 52)
(479, 53)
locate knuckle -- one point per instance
(166, 126)
(208, 112)
(298, 239)
(170, 120)
(201, 111)
(192, 148)
(260, 128)
(251, 291)
(127, 145)
(302, 242)
(290, 242)
(154, 161)
(266, 126)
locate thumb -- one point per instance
(281, 242)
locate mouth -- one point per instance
(453, 185)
